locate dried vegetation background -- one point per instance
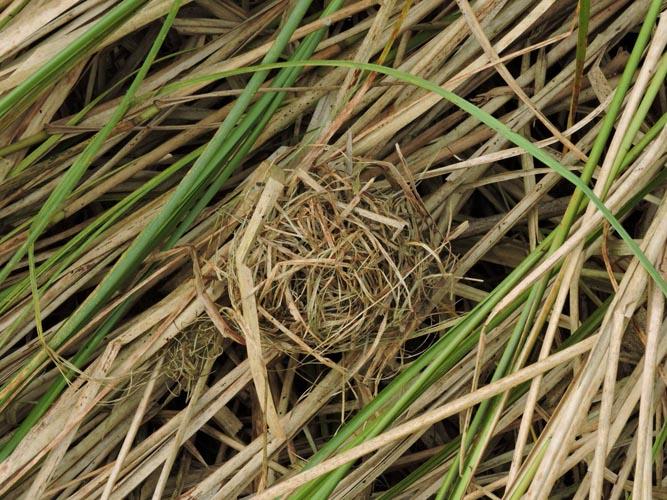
(316, 281)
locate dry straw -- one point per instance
(541, 350)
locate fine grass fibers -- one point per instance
(336, 261)
(347, 249)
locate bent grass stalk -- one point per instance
(490, 121)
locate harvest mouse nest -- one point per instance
(338, 262)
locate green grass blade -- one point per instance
(580, 57)
(24, 93)
(84, 160)
(638, 117)
(607, 128)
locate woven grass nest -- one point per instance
(337, 262)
